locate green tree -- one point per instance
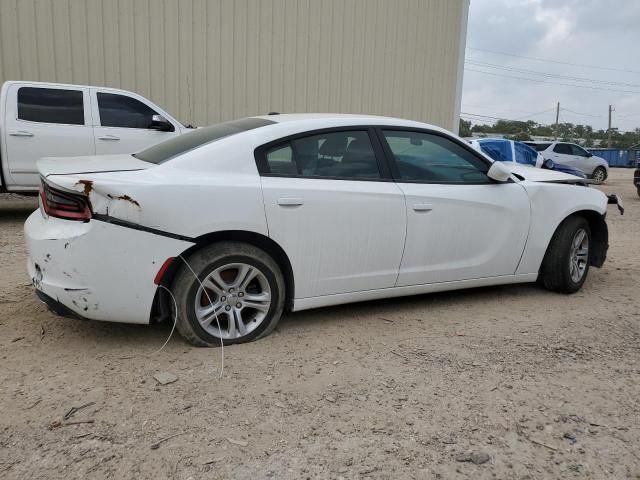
(465, 128)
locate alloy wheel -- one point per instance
(233, 300)
(579, 255)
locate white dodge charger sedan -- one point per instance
(241, 221)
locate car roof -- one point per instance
(339, 119)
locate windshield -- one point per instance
(180, 144)
(499, 150)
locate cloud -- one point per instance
(589, 32)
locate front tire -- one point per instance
(566, 262)
(599, 175)
(238, 295)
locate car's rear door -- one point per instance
(460, 224)
(123, 123)
(331, 205)
(45, 121)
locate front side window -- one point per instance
(347, 154)
(579, 151)
(525, 154)
(499, 150)
(563, 148)
(426, 157)
(124, 112)
(51, 105)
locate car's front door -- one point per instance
(563, 153)
(330, 207)
(124, 124)
(45, 121)
(460, 224)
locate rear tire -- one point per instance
(599, 175)
(566, 262)
(242, 299)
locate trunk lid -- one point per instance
(90, 164)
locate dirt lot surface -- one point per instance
(541, 385)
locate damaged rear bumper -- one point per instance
(96, 270)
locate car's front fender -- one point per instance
(551, 203)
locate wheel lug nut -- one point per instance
(241, 294)
(238, 305)
(231, 290)
(222, 299)
(227, 308)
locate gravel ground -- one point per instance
(538, 385)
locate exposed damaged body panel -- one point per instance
(97, 270)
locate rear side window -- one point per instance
(539, 147)
(123, 111)
(429, 158)
(525, 154)
(51, 105)
(563, 148)
(184, 143)
(498, 150)
(346, 154)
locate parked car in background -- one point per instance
(244, 219)
(574, 156)
(504, 150)
(56, 120)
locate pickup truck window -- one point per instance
(50, 105)
(124, 112)
(176, 146)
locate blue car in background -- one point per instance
(503, 150)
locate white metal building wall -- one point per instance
(211, 60)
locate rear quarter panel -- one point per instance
(551, 203)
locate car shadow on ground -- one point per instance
(145, 339)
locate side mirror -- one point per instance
(548, 164)
(589, 154)
(499, 172)
(158, 122)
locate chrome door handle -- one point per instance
(422, 207)
(109, 137)
(290, 201)
(21, 133)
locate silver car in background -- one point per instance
(574, 156)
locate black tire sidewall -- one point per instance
(189, 299)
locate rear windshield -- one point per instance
(539, 147)
(180, 144)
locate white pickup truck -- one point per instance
(56, 120)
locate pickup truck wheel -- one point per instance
(599, 175)
(566, 262)
(238, 296)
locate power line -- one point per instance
(583, 114)
(489, 117)
(554, 61)
(552, 83)
(549, 75)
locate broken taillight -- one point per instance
(62, 204)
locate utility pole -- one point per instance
(611, 109)
(555, 130)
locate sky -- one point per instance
(584, 33)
